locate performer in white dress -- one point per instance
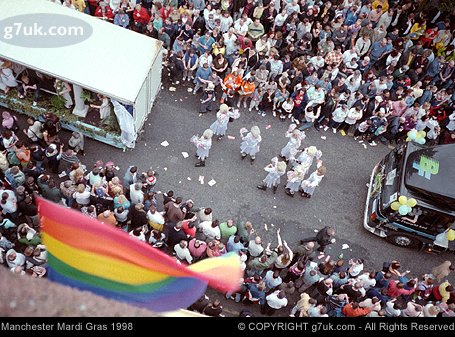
(306, 158)
(309, 185)
(219, 127)
(250, 142)
(295, 177)
(275, 170)
(203, 145)
(295, 139)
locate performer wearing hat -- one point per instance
(295, 139)
(295, 178)
(250, 142)
(219, 127)
(203, 145)
(309, 185)
(275, 170)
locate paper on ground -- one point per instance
(63, 174)
(268, 127)
(165, 143)
(172, 89)
(201, 180)
(211, 182)
(188, 178)
(185, 154)
(165, 168)
(265, 226)
(323, 137)
(345, 246)
(316, 231)
(230, 137)
(189, 89)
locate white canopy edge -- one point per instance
(113, 61)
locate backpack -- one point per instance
(12, 159)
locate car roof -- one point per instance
(430, 176)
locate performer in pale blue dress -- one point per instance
(203, 145)
(275, 170)
(219, 127)
(310, 184)
(295, 139)
(295, 178)
(250, 142)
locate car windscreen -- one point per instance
(393, 166)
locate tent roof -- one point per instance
(113, 61)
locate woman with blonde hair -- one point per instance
(82, 196)
(301, 307)
(121, 201)
(115, 187)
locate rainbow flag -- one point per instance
(87, 254)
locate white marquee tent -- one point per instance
(118, 63)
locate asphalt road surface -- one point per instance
(338, 201)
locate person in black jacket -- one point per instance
(324, 237)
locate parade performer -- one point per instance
(203, 145)
(295, 139)
(250, 142)
(276, 169)
(219, 127)
(295, 178)
(309, 185)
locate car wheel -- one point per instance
(403, 240)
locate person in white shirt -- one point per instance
(362, 45)
(155, 219)
(255, 247)
(367, 279)
(182, 252)
(240, 27)
(349, 54)
(338, 116)
(279, 20)
(374, 304)
(136, 194)
(392, 309)
(412, 310)
(211, 230)
(139, 233)
(274, 302)
(317, 61)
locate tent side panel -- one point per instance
(148, 93)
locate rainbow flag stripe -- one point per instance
(87, 254)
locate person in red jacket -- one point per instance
(398, 288)
(141, 17)
(104, 12)
(353, 310)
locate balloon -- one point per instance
(451, 235)
(403, 210)
(412, 134)
(411, 202)
(395, 205)
(403, 200)
(421, 134)
(420, 141)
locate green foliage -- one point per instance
(86, 97)
(110, 124)
(58, 102)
